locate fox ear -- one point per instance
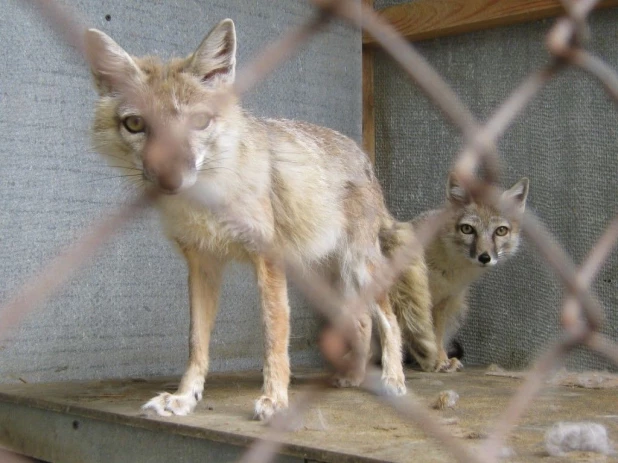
(518, 193)
(109, 63)
(214, 61)
(455, 192)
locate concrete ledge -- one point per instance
(100, 421)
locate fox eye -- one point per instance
(134, 124)
(501, 231)
(466, 229)
(200, 121)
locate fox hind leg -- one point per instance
(358, 356)
(393, 378)
(390, 336)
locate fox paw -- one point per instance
(449, 366)
(348, 380)
(266, 407)
(166, 404)
(394, 386)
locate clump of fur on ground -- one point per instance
(567, 437)
(446, 399)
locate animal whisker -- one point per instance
(114, 176)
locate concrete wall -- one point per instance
(126, 314)
(565, 142)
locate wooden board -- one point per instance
(426, 19)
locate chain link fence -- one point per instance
(582, 315)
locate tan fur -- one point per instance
(454, 260)
(239, 185)
(411, 299)
(276, 325)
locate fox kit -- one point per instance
(475, 237)
(306, 191)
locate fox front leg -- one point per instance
(204, 281)
(276, 323)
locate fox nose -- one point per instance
(484, 258)
(168, 182)
(166, 165)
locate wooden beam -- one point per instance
(369, 131)
(427, 19)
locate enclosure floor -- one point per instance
(345, 425)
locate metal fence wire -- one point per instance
(582, 314)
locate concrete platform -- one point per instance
(101, 422)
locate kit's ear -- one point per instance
(518, 193)
(455, 192)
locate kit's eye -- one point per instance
(200, 121)
(134, 124)
(466, 229)
(501, 231)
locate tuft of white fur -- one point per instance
(567, 437)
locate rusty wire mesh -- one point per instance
(582, 314)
